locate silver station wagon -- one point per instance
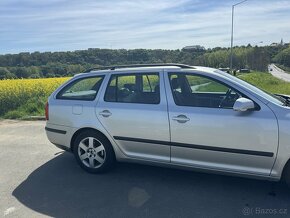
(171, 115)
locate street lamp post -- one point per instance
(232, 35)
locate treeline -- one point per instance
(283, 57)
(58, 64)
(48, 70)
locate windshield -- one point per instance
(268, 96)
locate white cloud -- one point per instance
(69, 24)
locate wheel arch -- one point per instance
(83, 129)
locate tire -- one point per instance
(286, 174)
(93, 152)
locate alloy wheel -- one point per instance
(91, 152)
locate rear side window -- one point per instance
(134, 88)
(84, 89)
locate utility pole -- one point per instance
(232, 35)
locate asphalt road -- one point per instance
(36, 180)
(279, 73)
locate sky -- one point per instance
(67, 25)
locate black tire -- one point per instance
(286, 174)
(107, 154)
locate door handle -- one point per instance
(181, 118)
(105, 113)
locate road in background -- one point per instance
(38, 181)
(278, 72)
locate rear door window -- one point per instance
(134, 88)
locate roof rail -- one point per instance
(184, 66)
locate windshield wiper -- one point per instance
(284, 99)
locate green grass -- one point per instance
(33, 107)
(267, 82)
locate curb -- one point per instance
(34, 118)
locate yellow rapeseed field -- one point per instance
(18, 92)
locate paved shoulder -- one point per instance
(279, 73)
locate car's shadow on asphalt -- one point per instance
(59, 188)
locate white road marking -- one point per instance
(9, 210)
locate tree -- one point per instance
(283, 57)
(22, 72)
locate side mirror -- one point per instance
(243, 104)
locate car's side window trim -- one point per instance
(58, 97)
(117, 75)
(257, 106)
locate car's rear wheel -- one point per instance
(93, 152)
(286, 174)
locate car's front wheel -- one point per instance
(93, 152)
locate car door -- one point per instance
(133, 110)
(207, 133)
